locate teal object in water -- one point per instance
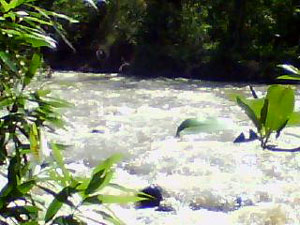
(194, 126)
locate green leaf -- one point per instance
(34, 66)
(53, 209)
(43, 92)
(252, 109)
(26, 186)
(5, 102)
(264, 112)
(294, 119)
(113, 199)
(6, 58)
(34, 139)
(102, 174)
(99, 181)
(60, 199)
(66, 220)
(108, 163)
(281, 105)
(30, 223)
(290, 68)
(60, 162)
(289, 77)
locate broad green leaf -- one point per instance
(6, 58)
(294, 119)
(281, 105)
(252, 109)
(264, 112)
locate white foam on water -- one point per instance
(205, 178)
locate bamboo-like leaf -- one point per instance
(6, 58)
(60, 199)
(113, 199)
(290, 68)
(34, 139)
(53, 209)
(60, 162)
(102, 174)
(25, 187)
(289, 77)
(34, 65)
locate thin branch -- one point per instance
(275, 149)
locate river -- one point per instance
(205, 178)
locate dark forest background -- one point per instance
(233, 40)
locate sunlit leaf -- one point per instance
(26, 186)
(53, 209)
(60, 162)
(290, 68)
(294, 119)
(60, 199)
(252, 109)
(34, 66)
(113, 199)
(289, 77)
(102, 174)
(281, 105)
(34, 139)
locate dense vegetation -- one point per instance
(221, 40)
(31, 169)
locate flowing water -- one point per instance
(205, 178)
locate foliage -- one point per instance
(26, 113)
(295, 73)
(272, 113)
(193, 126)
(231, 39)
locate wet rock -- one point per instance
(95, 131)
(241, 138)
(155, 192)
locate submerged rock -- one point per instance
(155, 192)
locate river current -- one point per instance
(205, 178)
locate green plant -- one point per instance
(294, 70)
(25, 113)
(272, 113)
